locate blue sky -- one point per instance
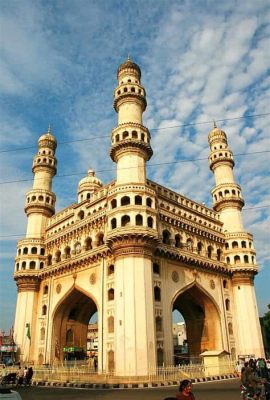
(200, 61)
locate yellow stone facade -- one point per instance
(134, 251)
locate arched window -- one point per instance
(230, 328)
(23, 265)
(134, 135)
(189, 243)
(177, 241)
(44, 309)
(117, 138)
(226, 245)
(142, 137)
(149, 202)
(166, 237)
(199, 247)
(88, 244)
(228, 261)
(19, 252)
(138, 200)
(100, 240)
(111, 294)
(32, 265)
(219, 254)
(125, 201)
(88, 195)
(125, 134)
(243, 244)
(49, 259)
(25, 250)
(209, 251)
(45, 289)
(234, 245)
(81, 214)
(157, 293)
(227, 304)
(67, 252)
(160, 357)
(114, 203)
(156, 269)
(58, 256)
(111, 324)
(17, 267)
(236, 259)
(42, 333)
(69, 336)
(41, 265)
(34, 250)
(111, 269)
(125, 220)
(246, 259)
(42, 251)
(225, 284)
(158, 324)
(111, 361)
(113, 223)
(139, 219)
(150, 222)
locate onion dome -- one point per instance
(217, 134)
(128, 65)
(47, 139)
(88, 185)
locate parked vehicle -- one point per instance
(9, 379)
(8, 394)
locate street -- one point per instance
(221, 390)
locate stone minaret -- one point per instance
(40, 203)
(239, 248)
(132, 229)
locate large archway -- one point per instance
(70, 326)
(202, 320)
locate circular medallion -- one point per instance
(93, 279)
(58, 288)
(212, 284)
(175, 276)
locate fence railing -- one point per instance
(86, 374)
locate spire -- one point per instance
(49, 129)
(215, 125)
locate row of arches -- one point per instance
(47, 160)
(223, 154)
(47, 199)
(24, 265)
(240, 259)
(43, 152)
(76, 249)
(130, 89)
(126, 220)
(31, 250)
(199, 248)
(135, 135)
(226, 193)
(136, 200)
(238, 244)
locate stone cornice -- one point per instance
(130, 145)
(189, 258)
(231, 201)
(27, 282)
(191, 227)
(243, 277)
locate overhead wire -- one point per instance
(151, 129)
(125, 168)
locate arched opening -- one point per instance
(42, 333)
(138, 200)
(58, 256)
(243, 244)
(166, 237)
(111, 360)
(114, 203)
(111, 269)
(74, 333)
(125, 201)
(100, 239)
(34, 250)
(150, 222)
(149, 202)
(113, 223)
(25, 250)
(158, 324)
(245, 259)
(81, 215)
(88, 244)
(199, 248)
(160, 357)
(209, 251)
(110, 294)
(111, 324)
(139, 219)
(234, 245)
(177, 241)
(45, 289)
(49, 259)
(125, 220)
(227, 304)
(201, 323)
(219, 253)
(44, 310)
(156, 268)
(32, 265)
(67, 252)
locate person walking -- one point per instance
(185, 391)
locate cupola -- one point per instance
(88, 185)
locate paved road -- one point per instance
(225, 390)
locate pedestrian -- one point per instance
(95, 363)
(19, 376)
(29, 376)
(185, 391)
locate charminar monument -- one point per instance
(134, 251)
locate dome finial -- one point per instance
(215, 124)
(49, 129)
(129, 58)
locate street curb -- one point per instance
(141, 385)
